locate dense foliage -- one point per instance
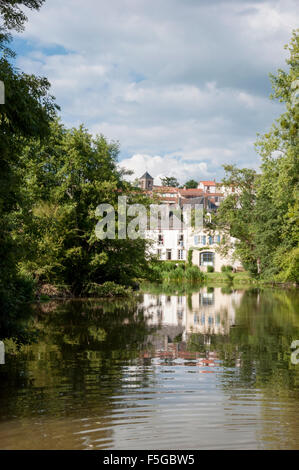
(177, 272)
(51, 181)
(191, 184)
(170, 181)
(66, 179)
(26, 114)
(263, 213)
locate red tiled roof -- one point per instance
(213, 194)
(165, 189)
(209, 183)
(169, 199)
(191, 192)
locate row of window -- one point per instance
(169, 254)
(180, 240)
(203, 239)
(197, 319)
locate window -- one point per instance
(180, 315)
(180, 254)
(196, 240)
(168, 254)
(218, 239)
(160, 239)
(159, 253)
(211, 240)
(181, 240)
(206, 299)
(203, 239)
(207, 259)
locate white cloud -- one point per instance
(185, 80)
(159, 167)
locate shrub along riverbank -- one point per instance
(173, 272)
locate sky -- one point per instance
(183, 85)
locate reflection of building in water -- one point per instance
(212, 312)
(207, 312)
(165, 309)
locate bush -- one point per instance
(193, 273)
(176, 274)
(108, 289)
(181, 273)
(210, 269)
(227, 268)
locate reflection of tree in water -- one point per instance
(77, 363)
(267, 321)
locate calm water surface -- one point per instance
(205, 370)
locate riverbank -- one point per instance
(172, 279)
(244, 278)
(108, 289)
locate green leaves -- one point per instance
(263, 215)
(67, 177)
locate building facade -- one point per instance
(172, 242)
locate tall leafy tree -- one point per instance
(67, 178)
(278, 185)
(26, 114)
(170, 181)
(263, 214)
(191, 184)
(12, 15)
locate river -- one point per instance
(207, 369)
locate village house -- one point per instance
(173, 242)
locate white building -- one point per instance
(171, 243)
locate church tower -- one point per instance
(146, 181)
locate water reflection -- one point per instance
(209, 311)
(209, 369)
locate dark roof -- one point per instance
(205, 201)
(146, 176)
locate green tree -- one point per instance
(170, 181)
(67, 178)
(278, 185)
(263, 213)
(12, 15)
(26, 114)
(236, 217)
(191, 184)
